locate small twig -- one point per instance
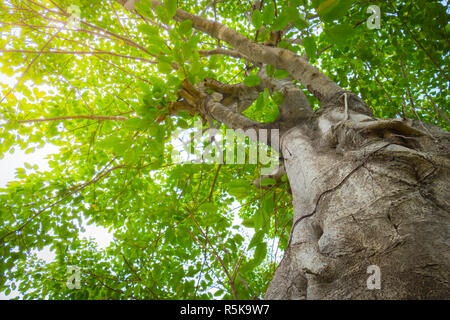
(219, 259)
(438, 110)
(83, 186)
(130, 267)
(32, 61)
(116, 118)
(214, 182)
(411, 100)
(81, 53)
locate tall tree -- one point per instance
(359, 102)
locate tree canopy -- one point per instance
(112, 84)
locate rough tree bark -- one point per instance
(366, 195)
(365, 191)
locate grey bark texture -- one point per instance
(366, 193)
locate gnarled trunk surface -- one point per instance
(366, 193)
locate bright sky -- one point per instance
(39, 157)
(8, 166)
(11, 162)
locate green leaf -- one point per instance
(301, 23)
(278, 97)
(260, 253)
(154, 50)
(268, 13)
(310, 46)
(164, 67)
(266, 95)
(238, 239)
(330, 10)
(268, 205)
(239, 188)
(38, 94)
(259, 104)
(249, 223)
(218, 293)
(280, 74)
(148, 30)
(208, 207)
(182, 124)
(270, 70)
(257, 19)
(171, 6)
(111, 142)
(283, 44)
(292, 13)
(280, 22)
(257, 238)
(268, 182)
(162, 14)
(252, 81)
(185, 27)
(258, 219)
(340, 34)
(137, 123)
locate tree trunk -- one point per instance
(366, 193)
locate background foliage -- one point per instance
(181, 231)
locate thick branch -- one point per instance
(309, 76)
(232, 119)
(237, 97)
(230, 53)
(208, 106)
(294, 108)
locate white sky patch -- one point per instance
(100, 235)
(40, 157)
(11, 162)
(8, 165)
